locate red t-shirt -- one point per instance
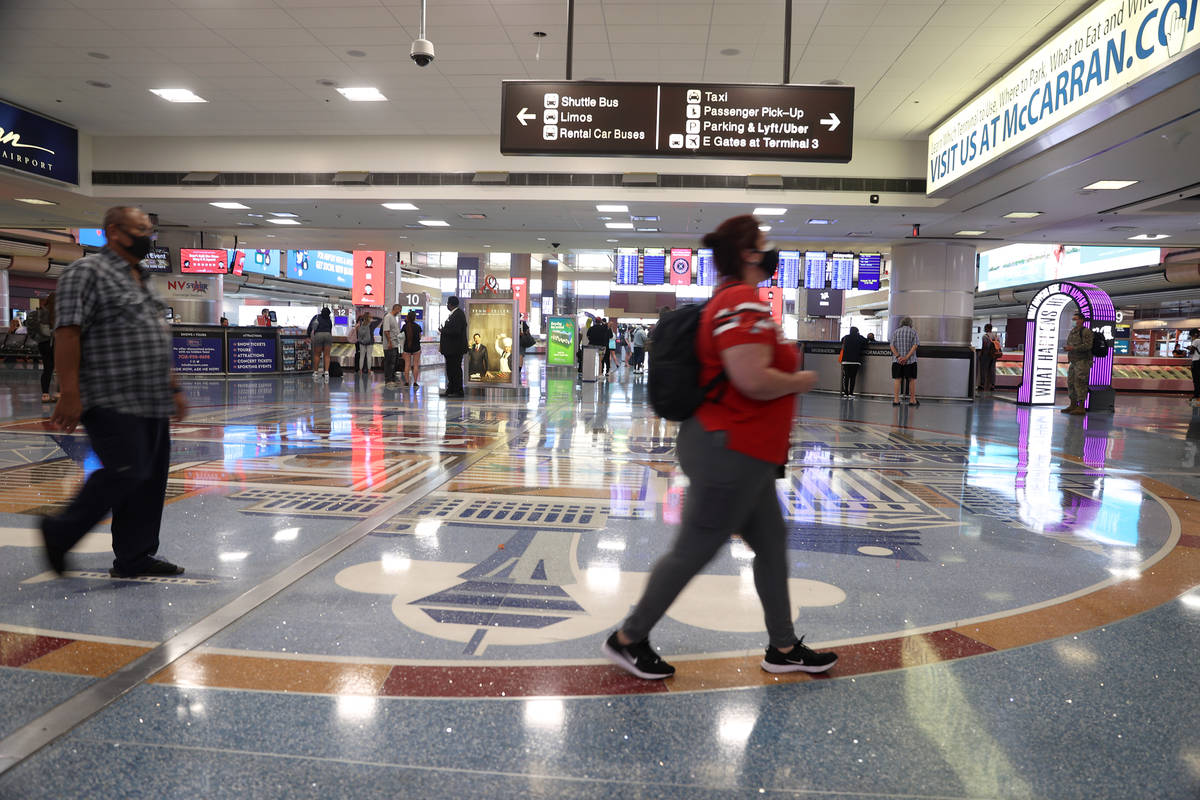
(759, 428)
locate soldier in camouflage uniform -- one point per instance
(1079, 358)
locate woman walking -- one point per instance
(41, 331)
(732, 451)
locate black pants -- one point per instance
(849, 376)
(363, 351)
(454, 375)
(46, 349)
(639, 356)
(390, 356)
(1196, 379)
(131, 484)
(987, 373)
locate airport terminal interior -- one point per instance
(392, 589)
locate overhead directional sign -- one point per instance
(690, 120)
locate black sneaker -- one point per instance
(637, 659)
(798, 659)
(57, 559)
(152, 566)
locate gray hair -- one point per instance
(906, 322)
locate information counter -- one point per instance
(1130, 373)
(249, 350)
(942, 372)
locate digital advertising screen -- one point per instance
(870, 270)
(814, 269)
(681, 266)
(370, 269)
(627, 266)
(842, 268)
(92, 237)
(654, 266)
(520, 290)
(202, 261)
(560, 342)
(260, 262)
(326, 267)
(1020, 264)
(773, 297)
(237, 261)
(824, 302)
(789, 269)
(706, 268)
(158, 259)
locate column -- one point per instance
(550, 285)
(934, 283)
(5, 306)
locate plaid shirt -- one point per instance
(124, 338)
(903, 339)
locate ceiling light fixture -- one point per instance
(283, 214)
(284, 221)
(645, 219)
(1022, 214)
(399, 206)
(612, 241)
(541, 238)
(611, 209)
(764, 228)
(1109, 185)
(178, 95)
(769, 212)
(362, 94)
(619, 226)
(435, 223)
(821, 221)
(539, 35)
(647, 230)
(230, 206)
(35, 201)
(970, 233)
(1149, 237)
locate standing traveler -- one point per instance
(123, 391)
(412, 350)
(320, 333)
(41, 331)
(1079, 365)
(852, 355)
(391, 345)
(611, 353)
(639, 348)
(364, 343)
(732, 451)
(453, 347)
(989, 354)
(903, 344)
(1193, 352)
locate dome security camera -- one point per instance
(422, 52)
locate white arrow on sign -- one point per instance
(832, 121)
(524, 115)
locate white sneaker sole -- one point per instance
(619, 660)
(778, 669)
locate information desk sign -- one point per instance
(700, 120)
(198, 350)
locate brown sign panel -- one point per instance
(698, 120)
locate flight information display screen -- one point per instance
(627, 266)
(842, 267)
(870, 268)
(814, 269)
(654, 266)
(706, 268)
(789, 269)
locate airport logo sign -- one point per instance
(1108, 48)
(35, 145)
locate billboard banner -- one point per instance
(370, 269)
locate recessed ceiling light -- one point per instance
(259, 216)
(612, 241)
(487, 245)
(769, 212)
(821, 221)
(1149, 237)
(283, 214)
(270, 236)
(1109, 184)
(284, 221)
(647, 230)
(473, 215)
(399, 206)
(619, 226)
(645, 219)
(230, 206)
(970, 233)
(541, 238)
(608, 209)
(1022, 214)
(35, 201)
(435, 223)
(764, 228)
(362, 94)
(179, 95)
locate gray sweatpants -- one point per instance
(728, 493)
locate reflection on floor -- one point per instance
(390, 594)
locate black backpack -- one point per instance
(675, 390)
(1099, 345)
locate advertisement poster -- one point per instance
(158, 260)
(1018, 264)
(681, 266)
(251, 351)
(467, 278)
(560, 342)
(92, 237)
(198, 351)
(326, 267)
(202, 261)
(773, 296)
(520, 290)
(491, 354)
(39, 146)
(370, 269)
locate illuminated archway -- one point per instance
(1041, 338)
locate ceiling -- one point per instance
(258, 62)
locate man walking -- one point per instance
(113, 351)
(1079, 365)
(639, 348)
(391, 345)
(904, 345)
(453, 347)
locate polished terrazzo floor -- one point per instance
(392, 595)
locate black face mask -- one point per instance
(770, 262)
(138, 247)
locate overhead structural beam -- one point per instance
(787, 42)
(571, 35)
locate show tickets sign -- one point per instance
(1109, 47)
(38, 146)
